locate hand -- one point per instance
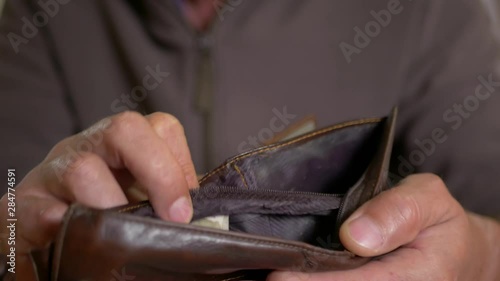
(100, 168)
(424, 233)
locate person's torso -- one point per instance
(271, 64)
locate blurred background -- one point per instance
(493, 8)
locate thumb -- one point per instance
(396, 217)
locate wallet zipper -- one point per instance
(230, 200)
(234, 189)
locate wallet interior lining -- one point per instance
(228, 200)
(291, 193)
(292, 215)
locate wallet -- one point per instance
(278, 207)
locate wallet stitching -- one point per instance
(242, 239)
(237, 169)
(132, 207)
(340, 126)
(59, 246)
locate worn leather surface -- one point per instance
(348, 160)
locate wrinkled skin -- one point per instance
(128, 157)
(424, 233)
(135, 155)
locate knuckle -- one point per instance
(97, 128)
(431, 184)
(405, 209)
(171, 178)
(435, 185)
(166, 122)
(84, 167)
(80, 166)
(48, 215)
(126, 123)
(433, 181)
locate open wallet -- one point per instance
(278, 207)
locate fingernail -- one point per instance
(366, 233)
(181, 210)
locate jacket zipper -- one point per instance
(205, 93)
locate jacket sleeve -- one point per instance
(450, 107)
(35, 106)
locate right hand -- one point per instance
(116, 155)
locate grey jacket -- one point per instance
(263, 66)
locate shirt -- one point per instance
(259, 68)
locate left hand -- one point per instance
(424, 233)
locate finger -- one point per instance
(38, 221)
(397, 266)
(171, 131)
(396, 217)
(86, 180)
(127, 141)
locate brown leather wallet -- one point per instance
(285, 204)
